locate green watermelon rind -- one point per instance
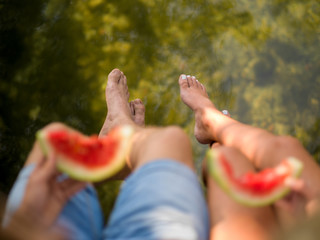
(242, 197)
(81, 173)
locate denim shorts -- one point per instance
(161, 200)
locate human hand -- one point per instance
(300, 201)
(45, 196)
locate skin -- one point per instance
(249, 148)
(43, 200)
(148, 144)
(50, 195)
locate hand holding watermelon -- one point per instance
(45, 196)
(86, 158)
(299, 201)
(253, 189)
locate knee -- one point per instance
(176, 136)
(176, 132)
(175, 142)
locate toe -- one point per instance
(124, 80)
(139, 112)
(183, 82)
(203, 88)
(138, 106)
(121, 81)
(114, 75)
(132, 108)
(195, 82)
(138, 101)
(190, 81)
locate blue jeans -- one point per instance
(161, 200)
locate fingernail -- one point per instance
(183, 77)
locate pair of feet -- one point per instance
(121, 111)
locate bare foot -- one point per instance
(120, 111)
(137, 112)
(195, 96)
(117, 96)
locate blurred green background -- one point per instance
(258, 59)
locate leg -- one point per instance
(262, 148)
(230, 220)
(137, 111)
(256, 144)
(162, 198)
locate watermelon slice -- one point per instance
(253, 189)
(87, 158)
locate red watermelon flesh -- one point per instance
(87, 158)
(89, 151)
(253, 189)
(261, 183)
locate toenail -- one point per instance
(183, 77)
(226, 112)
(188, 76)
(193, 77)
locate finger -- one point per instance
(294, 184)
(299, 186)
(75, 188)
(68, 183)
(50, 167)
(36, 155)
(284, 204)
(39, 166)
(69, 187)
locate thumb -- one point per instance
(298, 185)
